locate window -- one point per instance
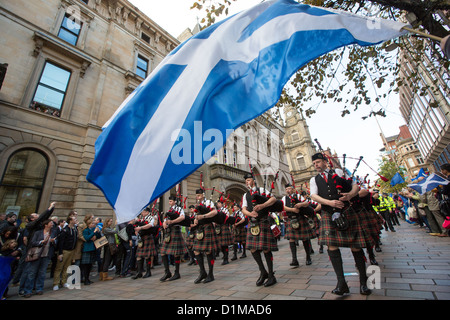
(411, 162)
(142, 67)
(295, 136)
(51, 90)
(145, 37)
(301, 161)
(23, 181)
(70, 29)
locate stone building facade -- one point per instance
(70, 64)
(66, 66)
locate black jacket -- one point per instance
(67, 239)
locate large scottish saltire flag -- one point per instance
(218, 80)
(428, 183)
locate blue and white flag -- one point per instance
(428, 183)
(397, 179)
(420, 174)
(215, 82)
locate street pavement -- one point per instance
(412, 265)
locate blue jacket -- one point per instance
(89, 245)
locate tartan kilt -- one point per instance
(316, 225)
(148, 248)
(176, 246)
(190, 238)
(224, 237)
(264, 241)
(355, 236)
(209, 241)
(370, 220)
(88, 257)
(303, 232)
(239, 234)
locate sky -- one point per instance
(349, 135)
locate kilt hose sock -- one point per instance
(336, 262)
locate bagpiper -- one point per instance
(146, 249)
(239, 231)
(340, 224)
(173, 242)
(191, 235)
(205, 241)
(300, 223)
(258, 204)
(223, 231)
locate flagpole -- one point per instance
(423, 34)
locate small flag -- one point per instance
(397, 179)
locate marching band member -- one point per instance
(146, 248)
(340, 224)
(239, 232)
(259, 235)
(205, 241)
(223, 231)
(299, 213)
(173, 242)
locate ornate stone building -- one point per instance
(70, 64)
(299, 147)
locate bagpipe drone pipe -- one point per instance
(172, 215)
(257, 199)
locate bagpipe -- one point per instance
(175, 214)
(259, 198)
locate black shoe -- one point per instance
(294, 263)
(225, 261)
(234, 257)
(271, 280)
(147, 274)
(341, 289)
(137, 276)
(166, 276)
(243, 256)
(373, 262)
(321, 249)
(191, 262)
(201, 277)
(175, 276)
(209, 278)
(364, 290)
(262, 278)
(377, 249)
(308, 262)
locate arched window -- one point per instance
(23, 182)
(301, 161)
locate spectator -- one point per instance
(65, 252)
(58, 225)
(37, 269)
(110, 250)
(433, 206)
(88, 254)
(10, 248)
(426, 214)
(126, 243)
(35, 224)
(10, 221)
